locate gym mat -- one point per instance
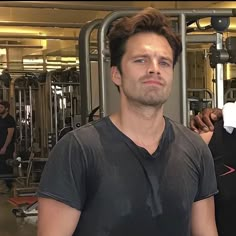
(19, 201)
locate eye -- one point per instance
(140, 60)
(165, 63)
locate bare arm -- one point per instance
(10, 132)
(203, 218)
(56, 218)
(206, 136)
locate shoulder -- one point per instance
(79, 145)
(90, 129)
(10, 117)
(87, 135)
(10, 120)
(183, 132)
(189, 141)
(190, 146)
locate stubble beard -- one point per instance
(149, 98)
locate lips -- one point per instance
(154, 82)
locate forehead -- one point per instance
(148, 42)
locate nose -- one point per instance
(154, 67)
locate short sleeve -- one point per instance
(11, 122)
(207, 177)
(64, 175)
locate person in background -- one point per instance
(7, 144)
(134, 172)
(221, 141)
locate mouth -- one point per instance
(153, 82)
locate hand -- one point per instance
(203, 122)
(2, 151)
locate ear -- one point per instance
(115, 75)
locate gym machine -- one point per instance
(5, 79)
(64, 100)
(26, 102)
(198, 99)
(88, 71)
(26, 210)
(64, 93)
(230, 95)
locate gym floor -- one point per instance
(10, 225)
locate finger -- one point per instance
(216, 114)
(208, 116)
(208, 122)
(192, 125)
(201, 124)
(197, 124)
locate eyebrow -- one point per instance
(146, 55)
(139, 55)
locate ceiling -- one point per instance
(51, 28)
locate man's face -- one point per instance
(147, 70)
(3, 110)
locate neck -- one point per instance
(4, 115)
(143, 125)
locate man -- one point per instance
(7, 143)
(134, 172)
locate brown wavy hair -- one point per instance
(147, 20)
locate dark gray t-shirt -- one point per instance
(5, 123)
(121, 189)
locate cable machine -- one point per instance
(64, 100)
